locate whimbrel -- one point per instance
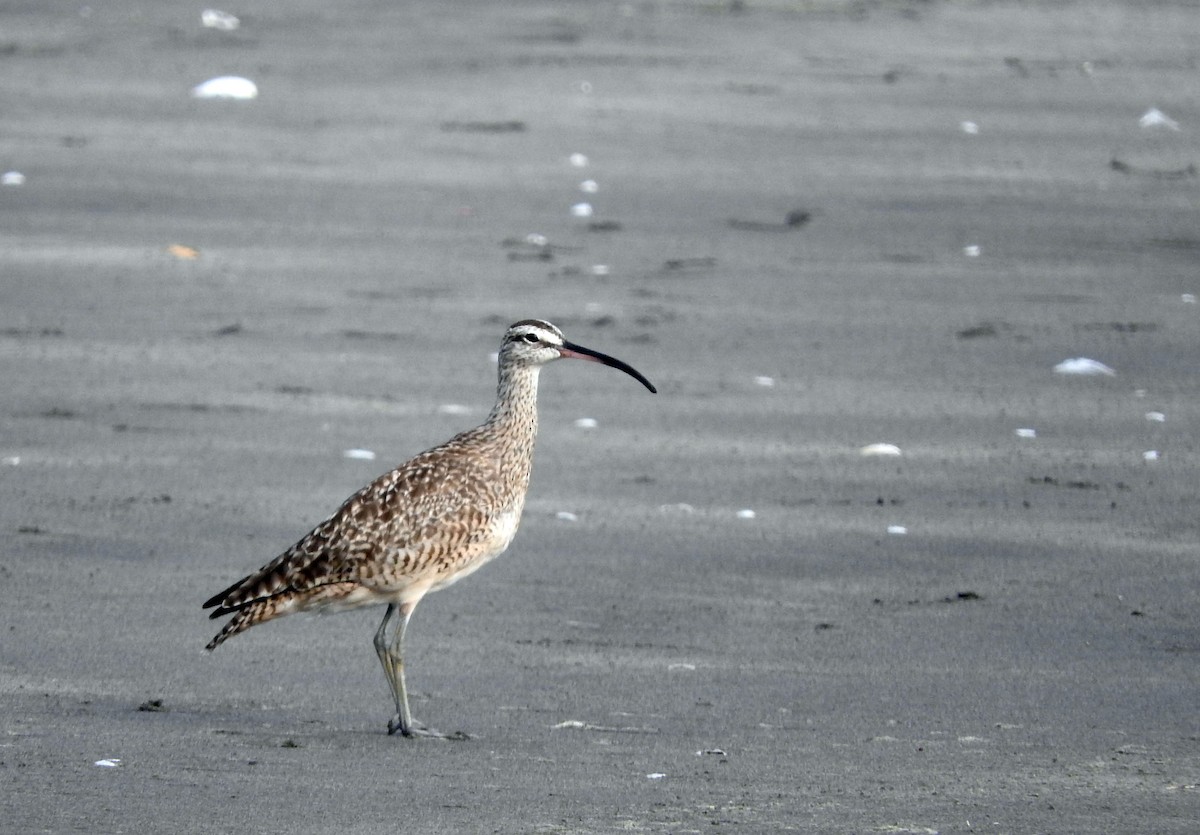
(426, 524)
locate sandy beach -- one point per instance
(815, 226)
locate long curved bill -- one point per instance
(570, 350)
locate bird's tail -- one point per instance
(240, 622)
(327, 597)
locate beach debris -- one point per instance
(12, 178)
(1188, 298)
(533, 247)
(589, 187)
(655, 775)
(969, 127)
(1150, 455)
(1083, 366)
(11, 461)
(971, 251)
(1186, 172)
(1156, 417)
(746, 513)
(359, 454)
(879, 449)
(711, 752)
(152, 706)
(681, 665)
(794, 219)
(566, 516)
(453, 409)
(586, 423)
(984, 329)
(600, 269)
(576, 725)
(1155, 118)
(679, 264)
(217, 19)
(582, 210)
(1026, 432)
(897, 530)
(678, 507)
(183, 252)
(578, 160)
(764, 381)
(232, 87)
(109, 762)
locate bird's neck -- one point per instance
(515, 412)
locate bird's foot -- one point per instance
(396, 726)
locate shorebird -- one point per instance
(426, 524)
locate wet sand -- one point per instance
(972, 200)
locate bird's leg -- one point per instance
(381, 649)
(391, 656)
(392, 659)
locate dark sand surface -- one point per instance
(1022, 660)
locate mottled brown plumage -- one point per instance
(426, 524)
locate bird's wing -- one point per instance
(436, 507)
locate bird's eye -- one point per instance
(531, 338)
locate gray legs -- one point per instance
(391, 656)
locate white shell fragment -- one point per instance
(1150, 455)
(217, 19)
(600, 269)
(1156, 417)
(110, 762)
(582, 210)
(879, 449)
(12, 178)
(746, 513)
(453, 409)
(589, 187)
(586, 423)
(897, 530)
(1025, 432)
(1188, 298)
(579, 160)
(231, 87)
(765, 382)
(1155, 118)
(972, 251)
(681, 665)
(566, 516)
(11, 461)
(971, 128)
(1083, 365)
(657, 775)
(359, 454)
